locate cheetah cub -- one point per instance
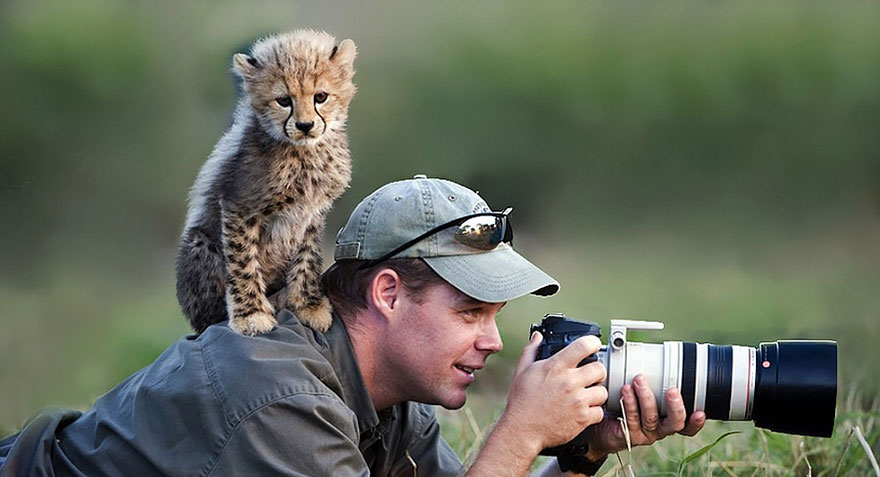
(257, 208)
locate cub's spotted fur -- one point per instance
(257, 208)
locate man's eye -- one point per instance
(321, 97)
(284, 101)
(473, 312)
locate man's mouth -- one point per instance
(466, 369)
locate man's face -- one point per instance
(440, 343)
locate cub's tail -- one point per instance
(201, 282)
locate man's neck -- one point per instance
(367, 346)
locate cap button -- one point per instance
(420, 176)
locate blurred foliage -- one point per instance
(710, 164)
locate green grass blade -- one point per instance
(699, 453)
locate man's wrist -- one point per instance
(504, 452)
(526, 444)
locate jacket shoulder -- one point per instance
(248, 372)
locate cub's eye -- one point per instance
(284, 101)
(321, 97)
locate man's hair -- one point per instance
(346, 284)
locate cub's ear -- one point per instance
(343, 55)
(244, 65)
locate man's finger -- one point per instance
(631, 409)
(596, 396)
(593, 373)
(694, 424)
(675, 414)
(529, 353)
(650, 416)
(573, 354)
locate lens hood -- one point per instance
(796, 387)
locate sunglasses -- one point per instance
(483, 231)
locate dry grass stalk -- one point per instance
(625, 428)
(868, 450)
(478, 433)
(806, 460)
(843, 452)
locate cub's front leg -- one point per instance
(250, 312)
(304, 294)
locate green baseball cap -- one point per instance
(401, 211)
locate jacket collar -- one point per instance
(340, 353)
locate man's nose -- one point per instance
(490, 339)
(305, 126)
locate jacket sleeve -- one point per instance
(304, 434)
(29, 452)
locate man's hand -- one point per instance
(643, 420)
(550, 402)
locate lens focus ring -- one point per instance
(718, 378)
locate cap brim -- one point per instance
(496, 276)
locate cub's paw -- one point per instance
(253, 324)
(318, 318)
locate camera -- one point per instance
(787, 386)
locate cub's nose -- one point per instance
(305, 127)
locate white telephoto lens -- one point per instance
(718, 380)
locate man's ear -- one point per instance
(386, 290)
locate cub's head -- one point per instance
(299, 84)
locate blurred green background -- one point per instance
(713, 165)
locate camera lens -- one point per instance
(784, 386)
(717, 379)
(796, 387)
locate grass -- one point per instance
(722, 448)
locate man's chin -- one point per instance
(453, 407)
(454, 403)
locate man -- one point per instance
(422, 268)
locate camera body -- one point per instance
(787, 386)
(558, 332)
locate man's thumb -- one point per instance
(530, 352)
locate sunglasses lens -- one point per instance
(483, 233)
